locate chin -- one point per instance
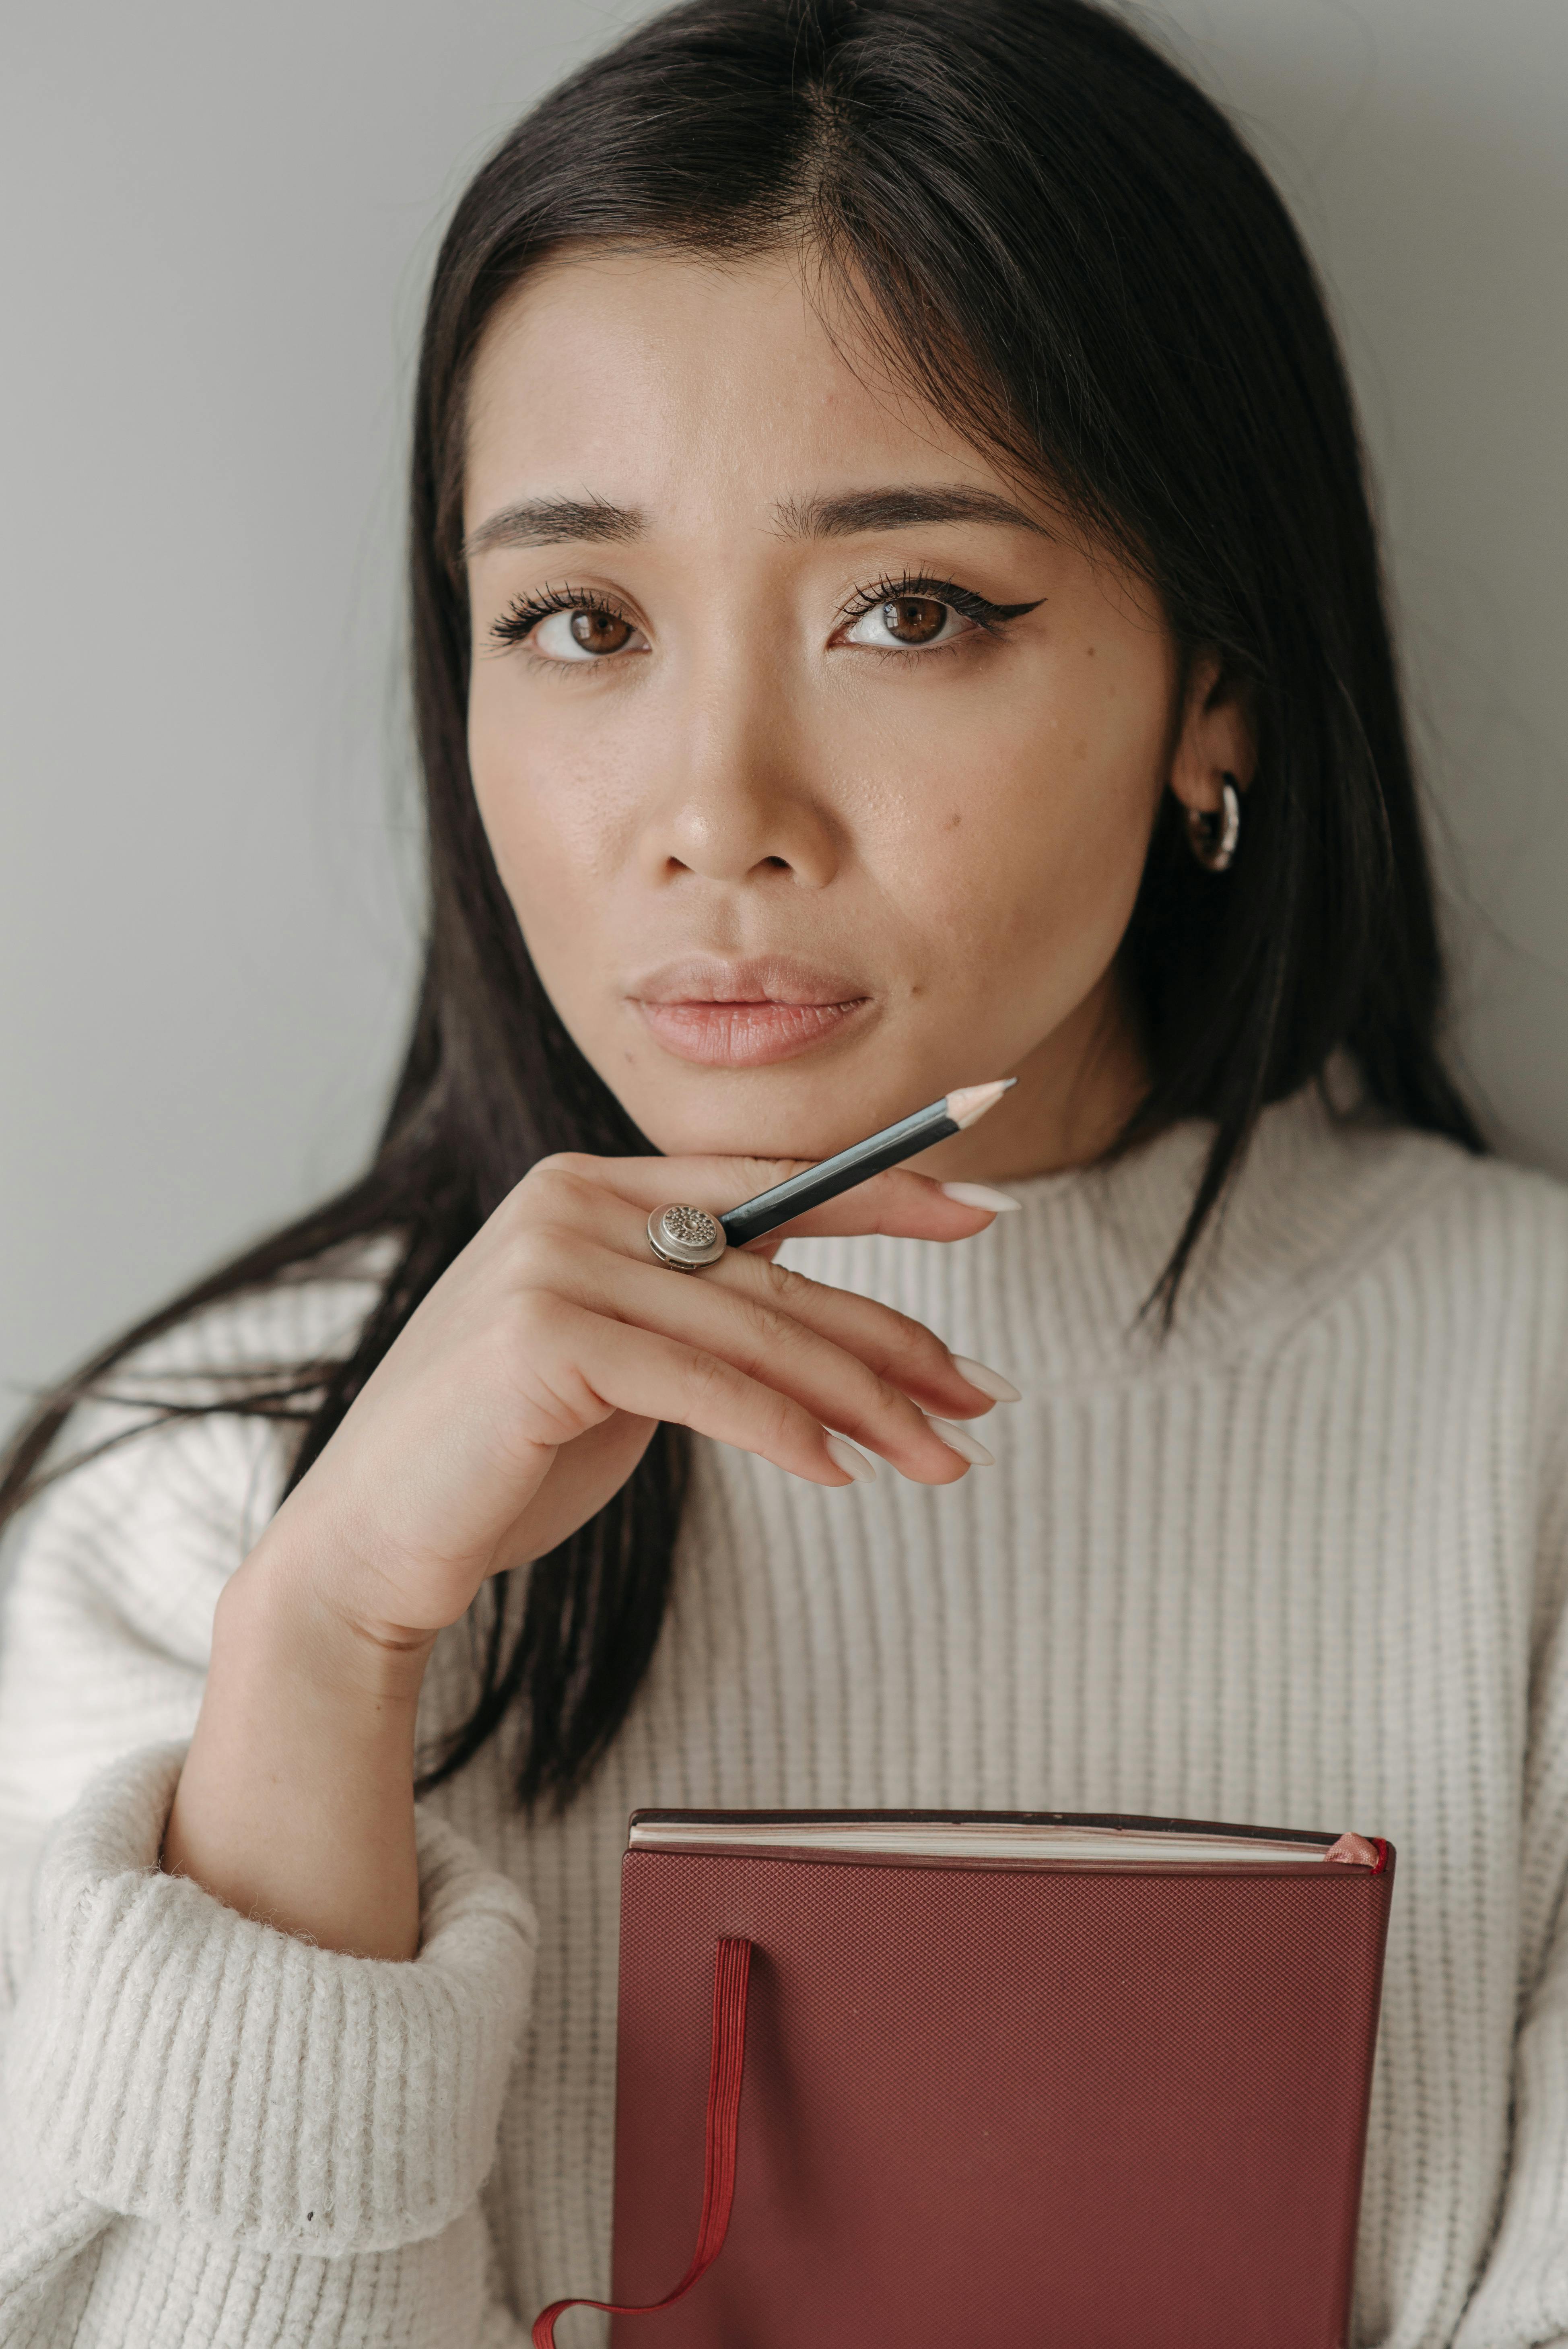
(801, 1108)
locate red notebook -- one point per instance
(912, 2079)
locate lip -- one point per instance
(745, 1015)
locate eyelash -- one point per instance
(990, 616)
(519, 620)
(520, 617)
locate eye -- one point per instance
(909, 624)
(587, 634)
(912, 614)
(566, 626)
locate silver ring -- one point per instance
(686, 1238)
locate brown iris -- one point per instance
(600, 632)
(914, 619)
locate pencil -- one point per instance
(951, 1115)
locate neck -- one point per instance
(1075, 1090)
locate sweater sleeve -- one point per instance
(214, 2135)
(1520, 2300)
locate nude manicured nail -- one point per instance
(990, 1383)
(980, 1194)
(959, 1440)
(853, 1463)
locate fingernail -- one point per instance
(990, 1383)
(853, 1463)
(959, 1440)
(980, 1194)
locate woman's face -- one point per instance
(818, 761)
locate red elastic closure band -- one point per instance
(1382, 1860)
(731, 1974)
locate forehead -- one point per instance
(659, 381)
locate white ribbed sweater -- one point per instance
(1303, 1566)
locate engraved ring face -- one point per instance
(686, 1238)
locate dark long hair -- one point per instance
(1064, 244)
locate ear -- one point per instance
(1215, 738)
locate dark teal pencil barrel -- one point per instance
(754, 1217)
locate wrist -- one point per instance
(295, 1606)
(295, 1805)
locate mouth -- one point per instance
(745, 1015)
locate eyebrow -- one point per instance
(554, 522)
(900, 509)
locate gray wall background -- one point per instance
(216, 224)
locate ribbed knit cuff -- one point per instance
(178, 2062)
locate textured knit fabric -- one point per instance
(1304, 1565)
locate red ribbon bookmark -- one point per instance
(731, 1974)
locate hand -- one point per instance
(524, 1390)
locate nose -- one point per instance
(742, 798)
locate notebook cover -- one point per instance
(1104, 2107)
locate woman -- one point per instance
(894, 605)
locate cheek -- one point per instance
(1032, 850)
(555, 819)
(548, 808)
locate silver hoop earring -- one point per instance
(1214, 831)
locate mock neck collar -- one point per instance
(1062, 1286)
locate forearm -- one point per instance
(213, 2136)
(516, 1400)
(296, 1803)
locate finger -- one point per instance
(567, 1207)
(900, 1203)
(603, 1198)
(620, 1367)
(894, 1345)
(772, 1346)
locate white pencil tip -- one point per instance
(970, 1102)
